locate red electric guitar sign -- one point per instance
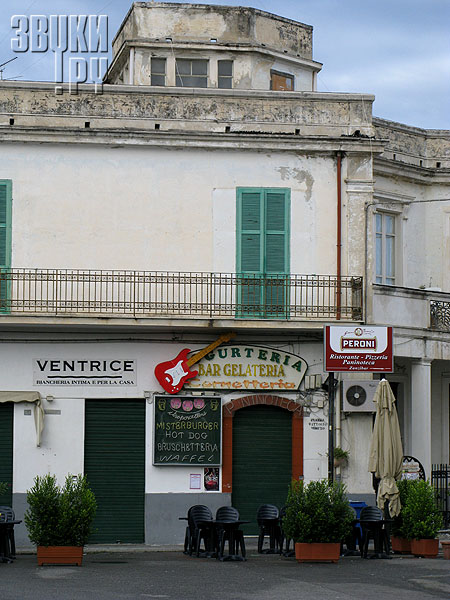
(173, 374)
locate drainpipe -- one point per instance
(339, 234)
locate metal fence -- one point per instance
(440, 315)
(156, 294)
(440, 478)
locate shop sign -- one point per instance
(188, 430)
(361, 348)
(245, 367)
(101, 372)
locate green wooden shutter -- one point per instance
(262, 459)
(250, 251)
(5, 242)
(263, 216)
(114, 463)
(276, 253)
(6, 450)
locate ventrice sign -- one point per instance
(250, 368)
(112, 371)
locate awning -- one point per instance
(38, 410)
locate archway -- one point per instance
(268, 437)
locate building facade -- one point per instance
(211, 199)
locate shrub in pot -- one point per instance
(59, 519)
(318, 518)
(399, 535)
(422, 519)
(340, 456)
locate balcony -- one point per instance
(411, 308)
(154, 294)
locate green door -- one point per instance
(114, 463)
(6, 450)
(262, 459)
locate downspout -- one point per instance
(339, 235)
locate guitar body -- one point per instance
(173, 374)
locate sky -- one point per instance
(398, 50)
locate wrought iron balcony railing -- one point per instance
(183, 295)
(440, 315)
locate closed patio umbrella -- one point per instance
(386, 451)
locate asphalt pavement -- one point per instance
(135, 573)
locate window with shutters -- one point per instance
(5, 242)
(263, 219)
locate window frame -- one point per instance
(384, 235)
(225, 77)
(179, 76)
(157, 74)
(289, 76)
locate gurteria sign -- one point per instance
(361, 348)
(246, 367)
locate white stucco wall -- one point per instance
(62, 445)
(153, 209)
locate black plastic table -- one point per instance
(380, 541)
(229, 529)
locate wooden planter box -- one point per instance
(425, 548)
(317, 552)
(60, 555)
(401, 545)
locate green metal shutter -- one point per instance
(114, 463)
(5, 241)
(262, 459)
(6, 450)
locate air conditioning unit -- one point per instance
(357, 396)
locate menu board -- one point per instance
(188, 430)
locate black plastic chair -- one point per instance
(198, 515)
(283, 538)
(268, 519)
(372, 524)
(236, 540)
(7, 514)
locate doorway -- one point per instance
(262, 460)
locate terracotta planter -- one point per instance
(401, 545)
(60, 555)
(317, 552)
(446, 549)
(425, 548)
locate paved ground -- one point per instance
(136, 574)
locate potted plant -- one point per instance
(318, 518)
(340, 456)
(399, 535)
(59, 519)
(422, 519)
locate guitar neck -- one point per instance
(199, 355)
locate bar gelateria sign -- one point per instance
(249, 368)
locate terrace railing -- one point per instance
(440, 315)
(440, 478)
(185, 295)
